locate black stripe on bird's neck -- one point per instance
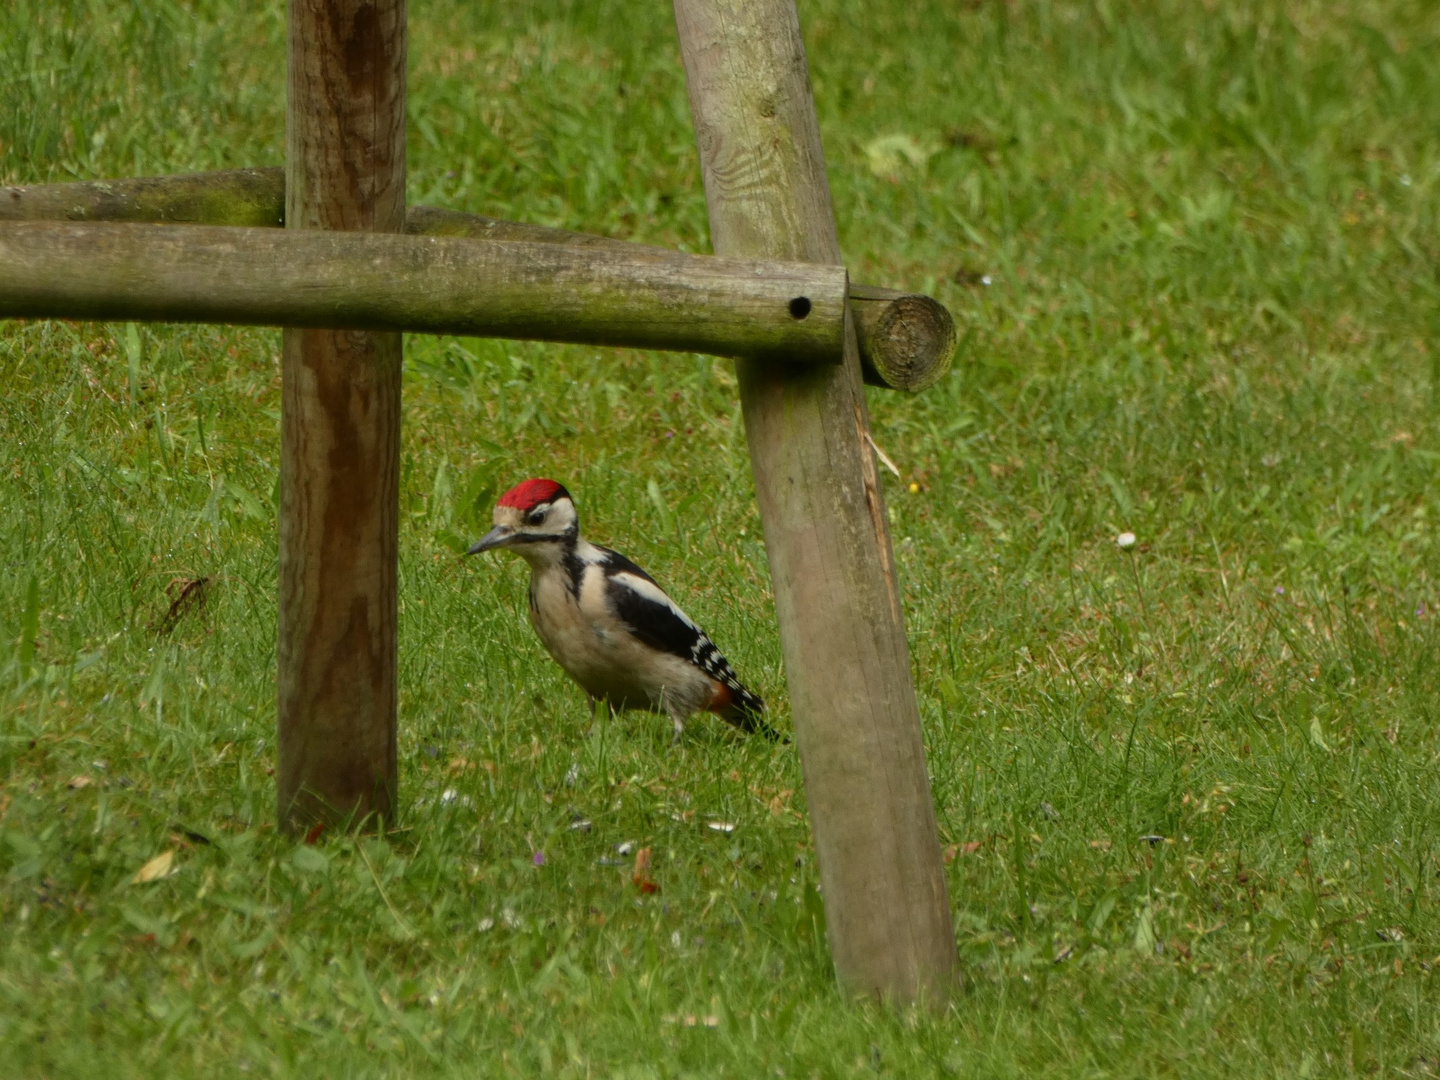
(572, 562)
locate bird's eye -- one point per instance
(536, 516)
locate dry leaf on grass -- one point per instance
(641, 877)
(161, 866)
(888, 155)
(186, 594)
(953, 851)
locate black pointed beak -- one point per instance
(496, 537)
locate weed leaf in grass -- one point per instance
(29, 626)
(309, 860)
(134, 354)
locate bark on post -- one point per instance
(856, 721)
(340, 428)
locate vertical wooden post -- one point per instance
(340, 427)
(846, 658)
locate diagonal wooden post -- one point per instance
(340, 427)
(846, 658)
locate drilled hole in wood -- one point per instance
(800, 307)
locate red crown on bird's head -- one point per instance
(531, 493)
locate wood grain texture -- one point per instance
(612, 294)
(907, 340)
(340, 428)
(846, 658)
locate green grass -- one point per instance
(1210, 240)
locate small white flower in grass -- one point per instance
(1125, 541)
(487, 923)
(448, 796)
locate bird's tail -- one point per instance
(746, 711)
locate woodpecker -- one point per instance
(606, 622)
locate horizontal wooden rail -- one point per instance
(906, 339)
(233, 197)
(647, 299)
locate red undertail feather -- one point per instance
(738, 706)
(720, 697)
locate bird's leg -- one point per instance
(665, 701)
(596, 715)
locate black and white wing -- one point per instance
(655, 619)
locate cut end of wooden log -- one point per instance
(907, 340)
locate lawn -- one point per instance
(1188, 790)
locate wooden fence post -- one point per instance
(847, 662)
(340, 428)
